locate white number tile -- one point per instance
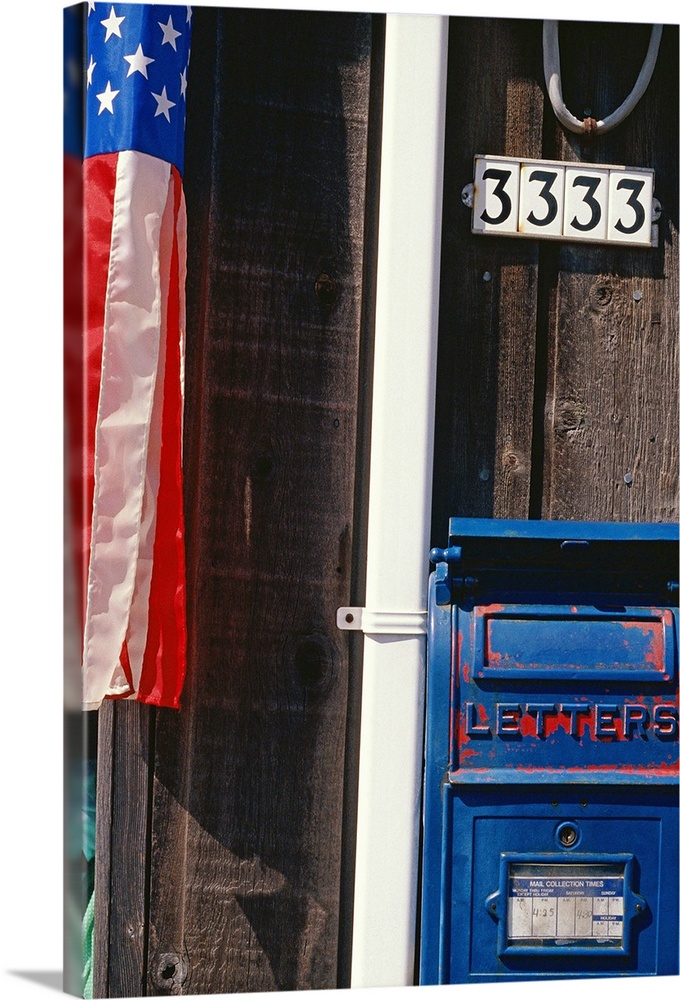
(541, 199)
(586, 203)
(630, 206)
(496, 196)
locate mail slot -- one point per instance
(551, 763)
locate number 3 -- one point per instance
(502, 176)
(635, 187)
(591, 184)
(548, 177)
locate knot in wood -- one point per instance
(313, 663)
(326, 289)
(600, 296)
(169, 972)
(309, 667)
(570, 416)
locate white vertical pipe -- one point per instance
(400, 495)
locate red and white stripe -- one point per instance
(135, 238)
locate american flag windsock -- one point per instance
(134, 642)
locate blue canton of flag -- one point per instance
(137, 64)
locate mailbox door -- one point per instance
(551, 820)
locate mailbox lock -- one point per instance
(568, 835)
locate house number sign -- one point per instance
(593, 203)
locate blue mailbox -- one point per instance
(551, 768)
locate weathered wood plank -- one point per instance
(612, 403)
(121, 870)
(102, 871)
(489, 285)
(247, 812)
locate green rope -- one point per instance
(88, 948)
(88, 848)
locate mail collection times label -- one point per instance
(565, 907)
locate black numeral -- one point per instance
(548, 177)
(591, 184)
(635, 187)
(502, 176)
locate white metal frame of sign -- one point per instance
(550, 199)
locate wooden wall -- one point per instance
(223, 822)
(225, 830)
(557, 380)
